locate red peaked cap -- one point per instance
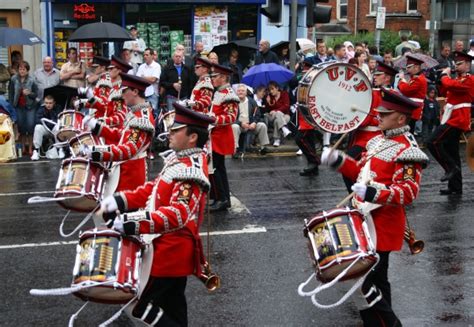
(395, 101)
(203, 62)
(385, 69)
(120, 64)
(184, 117)
(461, 56)
(134, 82)
(219, 69)
(413, 61)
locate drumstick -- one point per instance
(355, 108)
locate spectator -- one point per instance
(15, 59)
(48, 110)
(4, 78)
(236, 68)
(265, 55)
(187, 60)
(471, 48)
(431, 111)
(22, 93)
(284, 57)
(374, 53)
(404, 44)
(151, 71)
(198, 49)
(361, 57)
(372, 65)
(137, 46)
(126, 56)
(340, 53)
(7, 131)
(249, 123)
(459, 46)
(176, 81)
(350, 51)
(388, 58)
(331, 53)
(259, 97)
(46, 76)
(321, 53)
(73, 72)
(213, 57)
(278, 106)
(445, 59)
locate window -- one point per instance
(464, 10)
(456, 10)
(342, 9)
(412, 6)
(372, 7)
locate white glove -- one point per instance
(360, 189)
(293, 108)
(77, 103)
(329, 156)
(109, 204)
(85, 150)
(82, 90)
(182, 103)
(118, 224)
(190, 103)
(89, 122)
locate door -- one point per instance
(9, 18)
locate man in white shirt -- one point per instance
(151, 71)
(46, 76)
(137, 46)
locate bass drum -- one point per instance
(335, 97)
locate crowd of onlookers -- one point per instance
(266, 113)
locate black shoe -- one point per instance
(311, 170)
(450, 174)
(450, 192)
(263, 151)
(237, 155)
(219, 206)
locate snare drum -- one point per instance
(109, 262)
(328, 93)
(83, 139)
(69, 125)
(337, 238)
(80, 184)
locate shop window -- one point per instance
(412, 6)
(342, 9)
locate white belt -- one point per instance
(417, 100)
(370, 129)
(461, 105)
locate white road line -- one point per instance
(238, 206)
(26, 193)
(246, 230)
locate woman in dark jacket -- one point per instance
(22, 96)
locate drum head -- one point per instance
(339, 97)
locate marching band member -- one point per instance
(415, 88)
(116, 109)
(225, 105)
(127, 144)
(116, 68)
(172, 205)
(383, 76)
(444, 142)
(99, 68)
(201, 95)
(386, 179)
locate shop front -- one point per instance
(161, 25)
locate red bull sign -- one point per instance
(84, 11)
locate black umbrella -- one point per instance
(100, 32)
(246, 49)
(17, 36)
(62, 94)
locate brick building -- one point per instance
(355, 16)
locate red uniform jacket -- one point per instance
(416, 89)
(172, 205)
(202, 95)
(127, 144)
(394, 175)
(369, 127)
(460, 94)
(117, 108)
(225, 106)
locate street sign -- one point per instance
(380, 23)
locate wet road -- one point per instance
(261, 262)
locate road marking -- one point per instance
(250, 229)
(238, 206)
(26, 193)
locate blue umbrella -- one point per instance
(265, 73)
(17, 36)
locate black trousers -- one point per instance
(381, 313)
(443, 145)
(354, 152)
(306, 141)
(166, 293)
(219, 182)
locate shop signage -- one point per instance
(210, 25)
(84, 11)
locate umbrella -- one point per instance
(265, 73)
(246, 49)
(306, 44)
(428, 62)
(100, 32)
(62, 94)
(17, 36)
